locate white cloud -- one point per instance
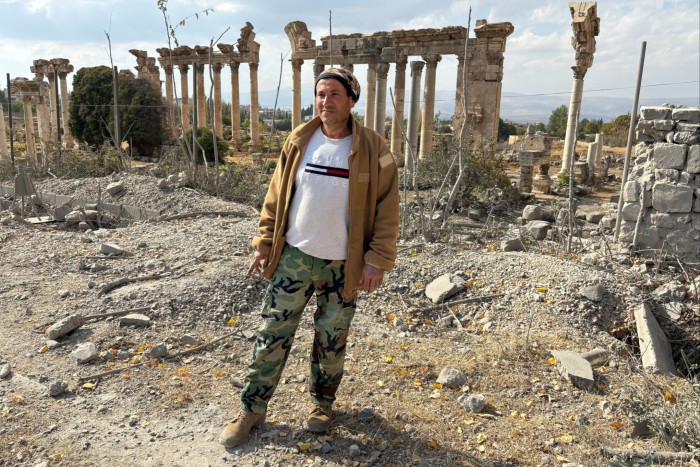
(39, 6)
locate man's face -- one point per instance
(333, 103)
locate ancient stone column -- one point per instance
(600, 139)
(235, 103)
(54, 99)
(318, 69)
(370, 95)
(254, 107)
(217, 118)
(397, 119)
(380, 99)
(591, 157)
(44, 122)
(426, 140)
(67, 138)
(586, 25)
(414, 113)
(169, 102)
(29, 127)
(4, 152)
(458, 116)
(296, 92)
(201, 97)
(185, 97)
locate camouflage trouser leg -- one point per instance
(297, 277)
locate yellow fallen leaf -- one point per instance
(18, 399)
(437, 386)
(432, 443)
(418, 382)
(669, 397)
(135, 359)
(231, 322)
(469, 421)
(55, 457)
(482, 448)
(380, 383)
(415, 458)
(562, 459)
(541, 289)
(552, 361)
(517, 432)
(217, 373)
(389, 359)
(514, 414)
(88, 386)
(617, 424)
(44, 349)
(392, 316)
(480, 438)
(303, 447)
(565, 438)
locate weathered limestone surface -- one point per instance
(664, 183)
(653, 343)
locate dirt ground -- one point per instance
(391, 410)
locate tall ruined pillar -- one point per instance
(586, 25)
(185, 97)
(4, 152)
(370, 95)
(29, 127)
(380, 99)
(414, 113)
(67, 138)
(217, 118)
(318, 69)
(169, 101)
(54, 100)
(254, 107)
(201, 97)
(397, 119)
(235, 103)
(44, 121)
(426, 140)
(458, 116)
(296, 92)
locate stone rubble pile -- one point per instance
(662, 193)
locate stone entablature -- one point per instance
(484, 66)
(662, 193)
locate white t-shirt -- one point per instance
(318, 215)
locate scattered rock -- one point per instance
(653, 343)
(115, 188)
(575, 368)
(354, 450)
(84, 353)
(5, 371)
(157, 351)
(671, 311)
(452, 378)
(673, 290)
(472, 402)
(538, 229)
(532, 213)
(444, 287)
(64, 326)
(135, 319)
(190, 340)
(594, 293)
(110, 249)
(56, 388)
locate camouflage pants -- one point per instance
(297, 277)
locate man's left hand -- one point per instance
(372, 278)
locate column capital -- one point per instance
(26, 98)
(199, 68)
(297, 63)
(216, 67)
(382, 70)
(168, 69)
(417, 67)
(318, 67)
(62, 75)
(431, 59)
(579, 71)
(253, 66)
(401, 62)
(184, 68)
(234, 66)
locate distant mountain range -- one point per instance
(517, 108)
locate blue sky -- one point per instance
(538, 54)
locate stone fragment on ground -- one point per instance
(673, 290)
(157, 351)
(63, 326)
(538, 229)
(135, 319)
(575, 368)
(512, 242)
(111, 249)
(532, 213)
(5, 371)
(594, 293)
(452, 378)
(472, 402)
(653, 343)
(671, 310)
(84, 353)
(115, 188)
(56, 388)
(444, 287)
(190, 340)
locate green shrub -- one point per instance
(205, 138)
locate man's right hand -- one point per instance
(259, 263)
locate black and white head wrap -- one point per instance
(345, 77)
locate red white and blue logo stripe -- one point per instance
(328, 171)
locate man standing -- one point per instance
(328, 226)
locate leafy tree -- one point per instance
(505, 129)
(617, 130)
(206, 142)
(307, 111)
(91, 104)
(3, 96)
(557, 121)
(590, 127)
(142, 117)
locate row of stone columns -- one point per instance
(201, 110)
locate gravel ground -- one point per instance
(170, 411)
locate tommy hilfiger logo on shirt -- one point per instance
(325, 170)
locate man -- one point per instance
(328, 226)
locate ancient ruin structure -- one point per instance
(52, 69)
(661, 209)
(34, 91)
(201, 57)
(586, 26)
(534, 153)
(3, 137)
(382, 49)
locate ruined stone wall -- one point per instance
(662, 193)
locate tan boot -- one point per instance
(320, 418)
(237, 431)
